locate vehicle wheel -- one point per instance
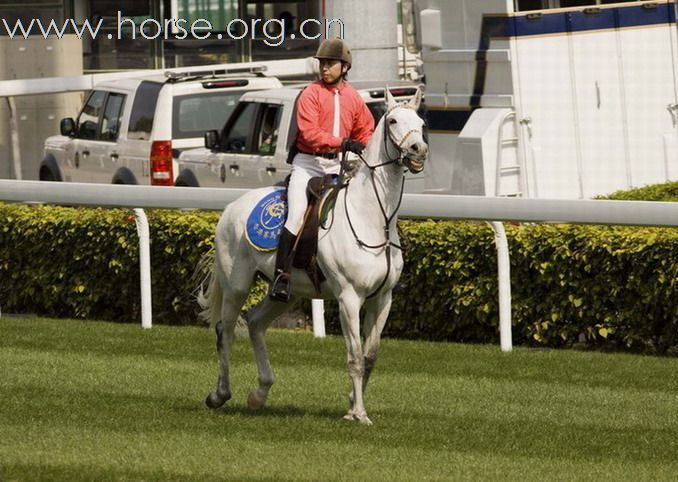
(49, 171)
(48, 176)
(124, 176)
(187, 179)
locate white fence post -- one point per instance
(144, 267)
(318, 311)
(504, 276)
(14, 137)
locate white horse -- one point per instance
(358, 254)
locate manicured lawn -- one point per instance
(102, 401)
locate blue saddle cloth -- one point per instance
(266, 221)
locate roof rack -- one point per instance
(198, 74)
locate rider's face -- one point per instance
(331, 70)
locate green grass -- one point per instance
(102, 401)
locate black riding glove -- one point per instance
(351, 145)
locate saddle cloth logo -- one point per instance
(266, 221)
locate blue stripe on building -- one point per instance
(600, 20)
(638, 16)
(589, 19)
(547, 23)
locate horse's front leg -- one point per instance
(349, 314)
(376, 314)
(258, 320)
(225, 330)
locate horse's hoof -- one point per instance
(254, 401)
(214, 400)
(363, 419)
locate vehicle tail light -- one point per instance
(161, 163)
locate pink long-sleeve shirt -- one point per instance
(315, 117)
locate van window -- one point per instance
(88, 121)
(267, 136)
(238, 132)
(195, 114)
(110, 124)
(143, 111)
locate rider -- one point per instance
(332, 117)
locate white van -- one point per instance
(130, 131)
(251, 149)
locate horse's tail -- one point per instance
(212, 301)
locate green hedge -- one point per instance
(611, 287)
(655, 192)
(602, 286)
(84, 263)
(598, 282)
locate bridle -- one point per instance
(398, 144)
(388, 218)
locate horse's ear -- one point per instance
(390, 101)
(415, 101)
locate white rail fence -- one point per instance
(493, 210)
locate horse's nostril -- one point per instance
(415, 148)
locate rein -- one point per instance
(388, 244)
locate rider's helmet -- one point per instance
(335, 49)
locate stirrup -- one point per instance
(280, 288)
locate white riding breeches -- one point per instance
(304, 167)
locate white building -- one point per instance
(549, 98)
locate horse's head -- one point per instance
(405, 129)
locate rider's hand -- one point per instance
(351, 145)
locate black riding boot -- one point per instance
(280, 288)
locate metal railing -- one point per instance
(427, 206)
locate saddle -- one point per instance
(322, 194)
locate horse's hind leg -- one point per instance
(225, 330)
(376, 314)
(258, 320)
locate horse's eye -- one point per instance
(392, 121)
